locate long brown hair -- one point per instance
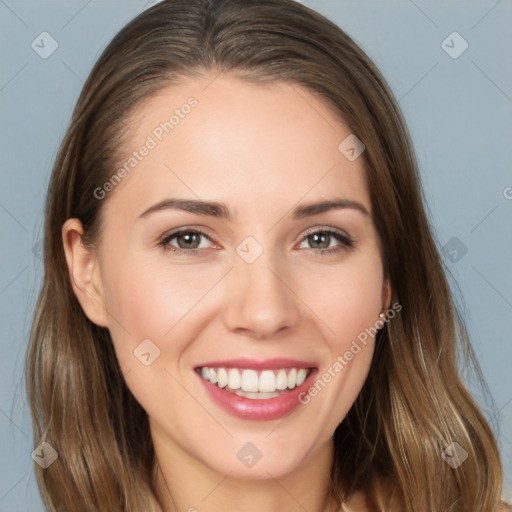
(413, 404)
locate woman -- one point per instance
(243, 302)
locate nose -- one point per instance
(261, 299)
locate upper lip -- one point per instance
(253, 364)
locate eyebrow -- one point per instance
(221, 210)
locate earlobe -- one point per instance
(84, 273)
(386, 304)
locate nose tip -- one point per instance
(260, 302)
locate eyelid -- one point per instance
(164, 240)
(345, 241)
(321, 229)
(186, 229)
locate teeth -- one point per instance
(292, 378)
(249, 380)
(301, 376)
(222, 378)
(281, 380)
(256, 396)
(234, 379)
(250, 384)
(267, 382)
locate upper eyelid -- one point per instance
(321, 229)
(202, 232)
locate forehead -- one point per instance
(224, 139)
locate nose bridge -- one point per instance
(260, 302)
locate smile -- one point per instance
(256, 390)
(254, 384)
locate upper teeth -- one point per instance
(266, 381)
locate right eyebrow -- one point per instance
(211, 208)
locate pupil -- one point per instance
(188, 237)
(317, 236)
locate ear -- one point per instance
(386, 295)
(84, 273)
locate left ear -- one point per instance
(386, 295)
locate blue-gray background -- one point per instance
(458, 111)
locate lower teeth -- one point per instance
(260, 395)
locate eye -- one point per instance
(322, 238)
(188, 241)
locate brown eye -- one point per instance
(187, 241)
(320, 241)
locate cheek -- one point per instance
(348, 302)
(149, 303)
(349, 299)
(148, 300)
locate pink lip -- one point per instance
(257, 410)
(253, 364)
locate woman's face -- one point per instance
(256, 290)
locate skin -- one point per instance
(261, 150)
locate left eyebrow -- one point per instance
(221, 210)
(310, 209)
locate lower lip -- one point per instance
(258, 410)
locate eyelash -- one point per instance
(347, 243)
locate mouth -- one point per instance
(255, 384)
(257, 390)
